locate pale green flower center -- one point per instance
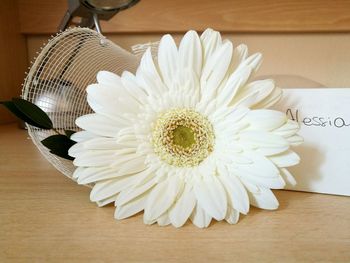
(183, 137)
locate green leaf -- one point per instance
(29, 113)
(11, 107)
(69, 133)
(33, 112)
(59, 145)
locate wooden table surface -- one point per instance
(46, 217)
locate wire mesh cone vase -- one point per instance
(58, 78)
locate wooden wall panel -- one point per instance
(290, 58)
(157, 16)
(13, 54)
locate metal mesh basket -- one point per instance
(57, 80)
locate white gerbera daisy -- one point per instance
(187, 136)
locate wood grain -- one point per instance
(322, 58)
(156, 16)
(45, 217)
(13, 54)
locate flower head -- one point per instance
(187, 136)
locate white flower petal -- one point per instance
(147, 65)
(187, 85)
(289, 129)
(130, 83)
(266, 120)
(131, 208)
(211, 196)
(275, 182)
(247, 100)
(94, 158)
(87, 175)
(183, 207)
(164, 220)
(234, 158)
(82, 136)
(76, 149)
(190, 52)
(149, 222)
(285, 159)
(254, 61)
(149, 83)
(211, 41)
(232, 216)
(93, 174)
(98, 124)
(261, 171)
(134, 165)
(288, 177)
(162, 197)
(107, 200)
(265, 142)
(129, 194)
(259, 163)
(258, 90)
(237, 194)
(229, 115)
(200, 218)
(263, 198)
(240, 53)
(101, 143)
(108, 78)
(76, 172)
(214, 70)
(109, 101)
(295, 140)
(168, 59)
(206, 108)
(270, 100)
(107, 188)
(95, 144)
(232, 87)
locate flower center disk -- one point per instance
(183, 137)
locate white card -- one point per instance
(324, 118)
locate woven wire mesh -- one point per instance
(58, 78)
(139, 49)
